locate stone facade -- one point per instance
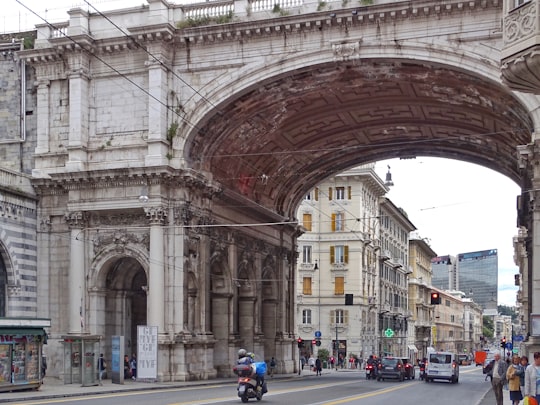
(226, 127)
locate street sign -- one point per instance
(518, 338)
(515, 350)
(318, 334)
(509, 346)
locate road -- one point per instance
(332, 388)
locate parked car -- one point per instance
(409, 368)
(391, 367)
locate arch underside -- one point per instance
(274, 142)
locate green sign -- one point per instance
(389, 333)
(515, 351)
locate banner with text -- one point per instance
(147, 350)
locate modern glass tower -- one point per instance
(478, 276)
(474, 273)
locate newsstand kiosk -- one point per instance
(21, 348)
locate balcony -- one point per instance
(520, 55)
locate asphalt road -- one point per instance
(332, 388)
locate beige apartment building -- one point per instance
(353, 267)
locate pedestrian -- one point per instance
(272, 367)
(318, 366)
(524, 362)
(499, 378)
(332, 362)
(311, 363)
(102, 367)
(133, 366)
(512, 375)
(127, 370)
(43, 365)
(532, 378)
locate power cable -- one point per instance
(122, 75)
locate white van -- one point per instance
(442, 366)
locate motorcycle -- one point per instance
(371, 371)
(422, 367)
(248, 386)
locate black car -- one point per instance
(391, 367)
(409, 368)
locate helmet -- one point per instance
(251, 355)
(242, 353)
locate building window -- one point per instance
(339, 316)
(339, 285)
(339, 254)
(306, 254)
(306, 286)
(308, 197)
(340, 193)
(306, 222)
(338, 223)
(306, 316)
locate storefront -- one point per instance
(21, 348)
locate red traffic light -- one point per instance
(435, 298)
(314, 342)
(300, 340)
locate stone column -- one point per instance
(43, 123)
(78, 111)
(158, 137)
(76, 286)
(156, 272)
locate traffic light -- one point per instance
(503, 342)
(300, 343)
(314, 342)
(318, 342)
(435, 298)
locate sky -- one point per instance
(458, 206)
(15, 17)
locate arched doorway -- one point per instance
(3, 288)
(124, 300)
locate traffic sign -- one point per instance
(518, 338)
(509, 346)
(515, 350)
(318, 334)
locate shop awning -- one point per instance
(23, 331)
(413, 348)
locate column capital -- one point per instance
(156, 215)
(76, 219)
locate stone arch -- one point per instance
(118, 285)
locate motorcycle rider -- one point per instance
(245, 357)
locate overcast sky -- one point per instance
(459, 207)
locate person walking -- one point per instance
(272, 367)
(524, 363)
(133, 366)
(532, 378)
(318, 366)
(499, 378)
(512, 375)
(102, 367)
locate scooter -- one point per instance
(371, 371)
(247, 383)
(422, 367)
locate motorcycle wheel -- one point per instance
(245, 399)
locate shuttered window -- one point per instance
(306, 287)
(339, 254)
(339, 285)
(307, 221)
(339, 316)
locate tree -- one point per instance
(323, 354)
(506, 310)
(487, 329)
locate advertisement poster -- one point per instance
(147, 342)
(117, 362)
